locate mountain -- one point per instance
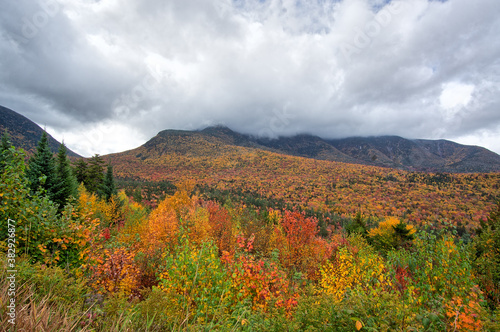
(221, 161)
(24, 133)
(419, 154)
(384, 151)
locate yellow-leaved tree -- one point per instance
(391, 233)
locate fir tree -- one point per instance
(109, 187)
(42, 169)
(67, 185)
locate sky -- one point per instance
(105, 76)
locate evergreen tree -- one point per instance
(137, 195)
(67, 185)
(5, 144)
(95, 175)
(109, 187)
(42, 169)
(5, 154)
(402, 235)
(80, 170)
(357, 225)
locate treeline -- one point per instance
(56, 178)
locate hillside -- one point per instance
(215, 160)
(419, 154)
(386, 151)
(24, 133)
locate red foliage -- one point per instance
(220, 227)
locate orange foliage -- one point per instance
(221, 228)
(114, 271)
(329, 186)
(464, 316)
(260, 281)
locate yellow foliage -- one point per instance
(92, 205)
(354, 268)
(163, 224)
(386, 227)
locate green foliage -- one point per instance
(197, 280)
(357, 225)
(80, 168)
(42, 169)
(67, 185)
(5, 155)
(392, 233)
(91, 174)
(52, 280)
(108, 186)
(438, 270)
(95, 175)
(487, 257)
(39, 231)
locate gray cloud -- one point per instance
(332, 68)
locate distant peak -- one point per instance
(217, 128)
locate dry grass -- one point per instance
(34, 314)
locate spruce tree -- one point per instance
(109, 187)
(95, 175)
(67, 185)
(81, 171)
(42, 169)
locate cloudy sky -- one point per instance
(107, 75)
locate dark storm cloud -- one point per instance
(413, 68)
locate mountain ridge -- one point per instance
(382, 151)
(25, 133)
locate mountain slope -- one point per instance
(24, 133)
(384, 151)
(420, 155)
(216, 158)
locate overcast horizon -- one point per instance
(106, 76)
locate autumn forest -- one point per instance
(187, 233)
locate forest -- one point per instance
(243, 241)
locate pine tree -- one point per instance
(67, 185)
(42, 169)
(109, 187)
